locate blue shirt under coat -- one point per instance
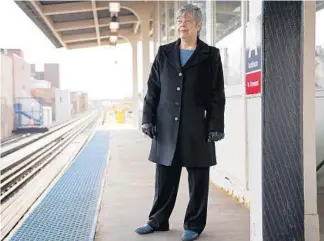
(185, 55)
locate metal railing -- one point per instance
(319, 166)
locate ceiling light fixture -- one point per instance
(114, 7)
(114, 24)
(113, 39)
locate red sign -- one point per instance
(253, 83)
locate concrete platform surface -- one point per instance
(128, 196)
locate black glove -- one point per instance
(149, 130)
(215, 136)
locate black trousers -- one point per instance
(166, 190)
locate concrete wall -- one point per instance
(17, 52)
(75, 103)
(84, 102)
(231, 172)
(47, 94)
(79, 102)
(62, 105)
(21, 75)
(7, 112)
(47, 116)
(52, 74)
(38, 83)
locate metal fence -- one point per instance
(28, 112)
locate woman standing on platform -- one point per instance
(183, 113)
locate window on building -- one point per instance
(182, 3)
(202, 6)
(162, 8)
(228, 37)
(171, 25)
(156, 26)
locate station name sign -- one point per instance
(253, 58)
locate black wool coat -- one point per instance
(185, 103)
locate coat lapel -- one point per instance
(172, 53)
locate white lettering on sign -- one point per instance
(253, 64)
(254, 83)
(253, 36)
(254, 48)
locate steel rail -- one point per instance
(19, 156)
(11, 148)
(23, 169)
(13, 138)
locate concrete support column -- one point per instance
(155, 26)
(308, 123)
(167, 20)
(145, 28)
(288, 164)
(144, 13)
(135, 84)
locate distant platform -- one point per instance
(24, 130)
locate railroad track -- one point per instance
(19, 141)
(12, 139)
(20, 171)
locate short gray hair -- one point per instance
(190, 9)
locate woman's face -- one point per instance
(187, 27)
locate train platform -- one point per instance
(129, 190)
(107, 191)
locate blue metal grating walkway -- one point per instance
(69, 210)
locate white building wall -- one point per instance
(254, 163)
(42, 84)
(237, 154)
(21, 75)
(320, 135)
(48, 115)
(230, 171)
(7, 111)
(62, 105)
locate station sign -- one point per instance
(253, 59)
(253, 83)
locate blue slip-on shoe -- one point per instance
(189, 235)
(145, 229)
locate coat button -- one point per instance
(176, 103)
(180, 74)
(178, 88)
(176, 118)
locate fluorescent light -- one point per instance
(114, 7)
(113, 39)
(113, 25)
